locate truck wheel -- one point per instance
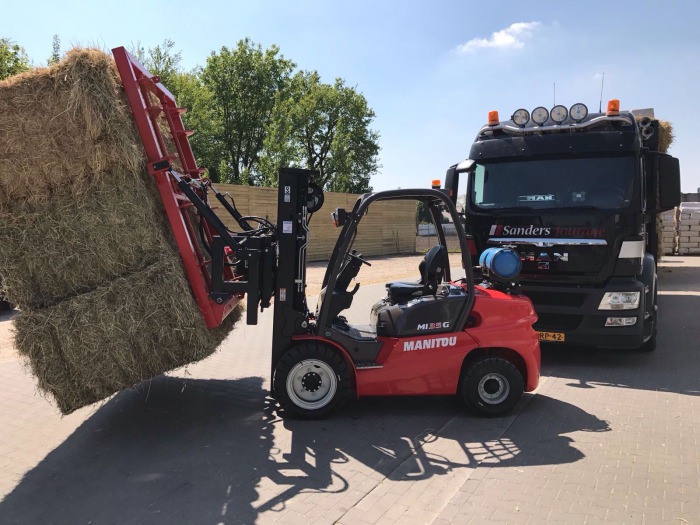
(492, 386)
(650, 344)
(5, 306)
(311, 381)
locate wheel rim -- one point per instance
(311, 384)
(493, 389)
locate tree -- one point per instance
(191, 93)
(326, 128)
(55, 51)
(244, 84)
(13, 59)
(160, 60)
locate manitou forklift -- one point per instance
(432, 336)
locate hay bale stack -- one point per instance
(666, 136)
(86, 250)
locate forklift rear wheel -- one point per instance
(311, 381)
(492, 386)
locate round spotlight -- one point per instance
(578, 112)
(540, 115)
(559, 114)
(521, 117)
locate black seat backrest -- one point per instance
(432, 267)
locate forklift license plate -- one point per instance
(556, 337)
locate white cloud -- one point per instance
(512, 37)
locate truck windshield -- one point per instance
(589, 183)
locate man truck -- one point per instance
(576, 194)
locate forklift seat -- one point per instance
(432, 270)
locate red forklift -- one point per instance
(432, 336)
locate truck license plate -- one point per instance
(556, 337)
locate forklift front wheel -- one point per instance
(492, 386)
(311, 381)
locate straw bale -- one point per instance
(64, 127)
(74, 243)
(666, 136)
(95, 344)
(86, 250)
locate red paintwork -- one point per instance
(501, 321)
(149, 99)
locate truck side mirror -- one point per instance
(452, 177)
(669, 177)
(663, 181)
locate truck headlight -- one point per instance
(619, 301)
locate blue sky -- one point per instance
(430, 70)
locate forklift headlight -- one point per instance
(619, 301)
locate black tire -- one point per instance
(5, 306)
(311, 381)
(492, 386)
(650, 344)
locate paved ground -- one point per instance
(608, 437)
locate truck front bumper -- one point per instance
(573, 312)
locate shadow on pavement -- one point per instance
(198, 451)
(673, 367)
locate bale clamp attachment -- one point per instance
(230, 265)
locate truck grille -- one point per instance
(557, 322)
(556, 299)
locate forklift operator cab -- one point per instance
(408, 306)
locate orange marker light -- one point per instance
(493, 118)
(613, 108)
(436, 184)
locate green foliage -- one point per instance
(160, 60)
(423, 214)
(13, 59)
(191, 93)
(322, 127)
(55, 51)
(244, 82)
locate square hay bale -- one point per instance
(76, 242)
(86, 250)
(92, 345)
(64, 127)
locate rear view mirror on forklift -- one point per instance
(339, 217)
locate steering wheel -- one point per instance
(358, 258)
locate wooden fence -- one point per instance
(389, 227)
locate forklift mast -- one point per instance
(297, 199)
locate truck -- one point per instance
(576, 194)
(435, 335)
